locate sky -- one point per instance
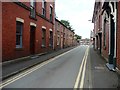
(78, 13)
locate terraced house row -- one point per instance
(106, 19)
(29, 28)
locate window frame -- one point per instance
(33, 8)
(44, 8)
(50, 38)
(43, 37)
(51, 13)
(58, 40)
(19, 34)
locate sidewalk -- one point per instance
(15, 67)
(101, 76)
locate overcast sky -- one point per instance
(77, 12)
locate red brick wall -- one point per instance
(0, 31)
(118, 37)
(10, 12)
(105, 50)
(58, 31)
(64, 34)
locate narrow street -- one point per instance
(53, 44)
(80, 67)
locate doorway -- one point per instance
(32, 40)
(100, 42)
(112, 40)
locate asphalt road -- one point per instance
(60, 72)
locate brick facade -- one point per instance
(13, 10)
(64, 37)
(0, 32)
(118, 36)
(109, 25)
(38, 33)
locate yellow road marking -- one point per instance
(23, 74)
(80, 71)
(83, 73)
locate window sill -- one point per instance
(43, 46)
(34, 18)
(19, 49)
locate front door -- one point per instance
(112, 40)
(100, 38)
(32, 40)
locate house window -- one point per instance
(58, 26)
(32, 8)
(19, 30)
(51, 39)
(51, 11)
(43, 37)
(44, 8)
(58, 40)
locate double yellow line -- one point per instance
(80, 79)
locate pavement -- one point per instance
(101, 76)
(16, 66)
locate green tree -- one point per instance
(78, 37)
(67, 24)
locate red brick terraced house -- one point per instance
(27, 28)
(63, 36)
(97, 26)
(0, 32)
(106, 19)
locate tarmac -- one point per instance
(98, 75)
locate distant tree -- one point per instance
(78, 37)
(66, 23)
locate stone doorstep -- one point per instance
(110, 67)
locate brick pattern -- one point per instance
(65, 34)
(97, 25)
(10, 12)
(13, 10)
(118, 37)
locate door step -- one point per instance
(34, 56)
(110, 67)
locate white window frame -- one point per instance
(21, 36)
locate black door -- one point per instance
(112, 40)
(32, 40)
(100, 36)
